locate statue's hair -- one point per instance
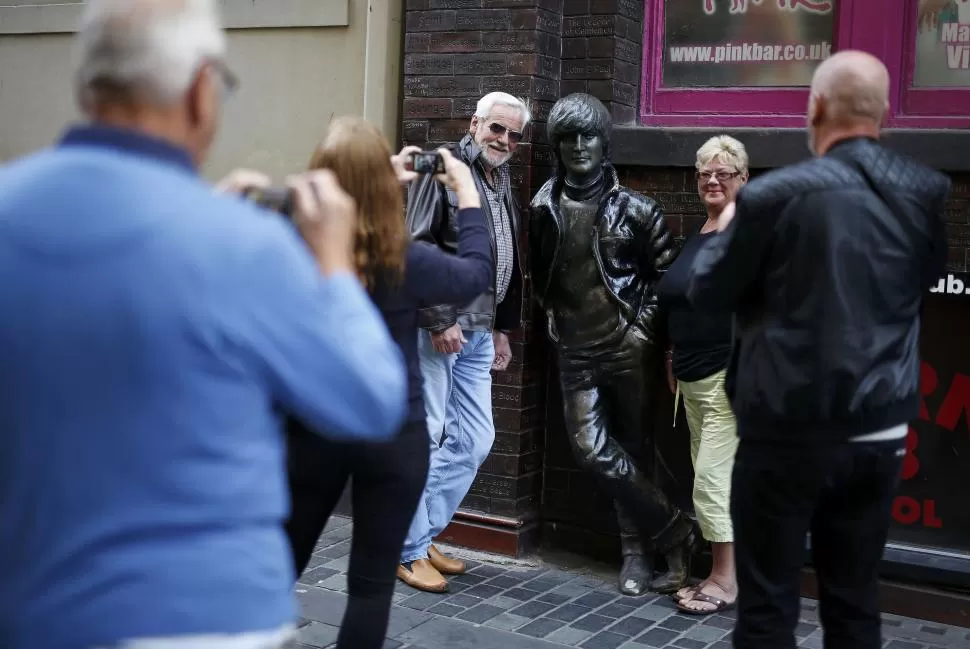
(579, 113)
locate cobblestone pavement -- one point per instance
(496, 606)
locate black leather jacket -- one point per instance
(825, 266)
(432, 214)
(633, 249)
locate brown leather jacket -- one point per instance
(633, 249)
(432, 214)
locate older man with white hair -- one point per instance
(459, 345)
(152, 329)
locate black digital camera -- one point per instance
(275, 199)
(427, 162)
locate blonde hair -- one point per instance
(725, 149)
(358, 154)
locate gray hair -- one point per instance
(492, 99)
(726, 149)
(145, 49)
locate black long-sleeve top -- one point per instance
(433, 276)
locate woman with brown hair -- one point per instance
(399, 275)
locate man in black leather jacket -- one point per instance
(825, 264)
(459, 345)
(598, 250)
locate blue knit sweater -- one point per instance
(150, 333)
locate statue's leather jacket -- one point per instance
(432, 216)
(632, 247)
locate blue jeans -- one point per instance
(458, 400)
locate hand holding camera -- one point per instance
(454, 174)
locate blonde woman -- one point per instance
(696, 362)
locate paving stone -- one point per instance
(520, 594)
(572, 589)
(317, 560)
(423, 601)
(718, 622)
(542, 584)
(592, 622)
(391, 644)
(449, 633)
(657, 637)
(652, 612)
(340, 564)
(483, 590)
(568, 635)
(503, 581)
(480, 613)
(605, 640)
(488, 571)
(317, 634)
(812, 642)
(540, 628)
(553, 598)
(469, 578)
(507, 621)
(503, 602)
(934, 630)
(706, 634)
(569, 612)
(723, 644)
(336, 550)
(616, 610)
(687, 643)
(676, 623)
(804, 629)
(534, 609)
(631, 626)
(901, 644)
(316, 575)
(337, 582)
(595, 599)
(446, 609)
(464, 600)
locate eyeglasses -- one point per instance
(230, 82)
(514, 136)
(721, 176)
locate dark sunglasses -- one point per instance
(514, 136)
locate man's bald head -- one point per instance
(854, 85)
(849, 97)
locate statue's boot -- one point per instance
(678, 558)
(637, 570)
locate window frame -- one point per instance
(859, 24)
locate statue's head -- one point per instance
(578, 128)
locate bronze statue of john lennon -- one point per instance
(598, 250)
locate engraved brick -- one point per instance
(455, 42)
(549, 21)
(518, 86)
(627, 51)
(545, 89)
(956, 259)
(518, 41)
(575, 48)
(518, 4)
(416, 43)
(522, 63)
(958, 210)
(587, 69)
(513, 420)
(628, 29)
(960, 187)
(588, 26)
(550, 67)
(450, 130)
(483, 19)
(437, 108)
(456, 4)
(548, 44)
(543, 156)
(523, 18)
(613, 91)
(417, 5)
(623, 114)
(485, 64)
(441, 86)
(430, 21)
(464, 107)
(429, 64)
(415, 130)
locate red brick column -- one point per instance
(456, 51)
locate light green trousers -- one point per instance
(713, 443)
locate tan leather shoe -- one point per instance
(422, 576)
(445, 565)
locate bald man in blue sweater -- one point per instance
(152, 332)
